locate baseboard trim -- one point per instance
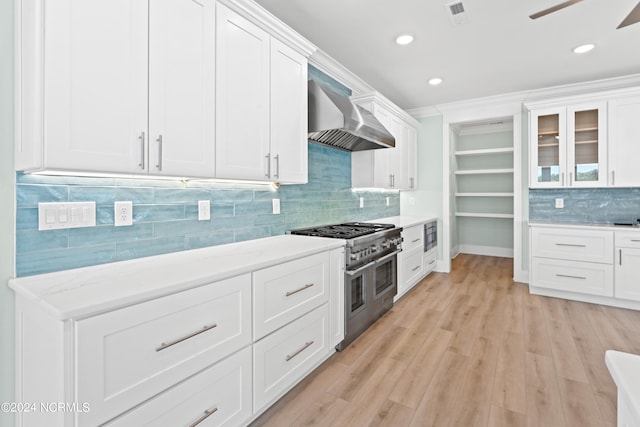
(486, 250)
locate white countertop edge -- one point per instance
(577, 225)
(625, 371)
(404, 221)
(64, 294)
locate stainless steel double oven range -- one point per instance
(371, 271)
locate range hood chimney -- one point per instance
(336, 121)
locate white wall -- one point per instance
(7, 209)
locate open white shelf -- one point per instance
(484, 151)
(484, 215)
(483, 171)
(484, 194)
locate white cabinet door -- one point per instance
(95, 85)
(587, 145)
(624, 142)
(387, 160)
(242, 98)
(289, 146)
(181, 88)
(411, 153)
(627, 273)
(547, 143)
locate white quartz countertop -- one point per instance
(609, 227)
(87, 291)
(625, 371)
(404, 221)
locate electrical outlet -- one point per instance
(559, 203)
(276, 206)
(412, 201)
(361, 202)
(123, 213)
(204, 210)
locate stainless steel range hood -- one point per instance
(334, 120)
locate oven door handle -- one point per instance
(358, 270)
(386, 257)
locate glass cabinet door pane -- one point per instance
(586, 146)
(549, 148)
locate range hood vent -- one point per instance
(336, 121)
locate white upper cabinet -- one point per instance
(87, 111)
(101, 83)
(289, 146)
(624, 142)
(261, 104)
(568, 146)
(242, 101)
(182, 87)
(390, 168)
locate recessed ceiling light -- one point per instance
(435, 81)
(404, 39)
(584, 48)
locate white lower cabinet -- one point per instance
(285, 292)
(286, 356)
(126, 356)
(218, 396)
(586, 263)
(216, 354)
(413, 263)
(628, 265)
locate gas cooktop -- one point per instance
(347, 230)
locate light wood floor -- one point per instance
(470, 348)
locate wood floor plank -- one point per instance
(544, 407)
(509, 389)
(470, 348)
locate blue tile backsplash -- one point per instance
(593, 205)
(165, 213)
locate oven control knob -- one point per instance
(374, 248)
(354, 257)
(386, 244)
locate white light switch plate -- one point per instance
(361, 202)
(559, 203)
(276, 206)
(204, 210)
(54, 216)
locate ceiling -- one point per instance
(499, 50)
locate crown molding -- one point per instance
(271, 24)
(325, 63)
(560, 95)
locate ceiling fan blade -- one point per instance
(632, 18)
(554, 9)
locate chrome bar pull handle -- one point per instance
(416, 268)
(159, 164)
(562, 177)
(205, 328)
(142, 142)
(204, 416)
(571, 277)
(570, 179)
(571, 245)
(307, 286)
(411, 182)
(613, 177)
(277, 159)
(268, 157)
(620, 259)
(303, 348)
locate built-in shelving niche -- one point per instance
(482, 189)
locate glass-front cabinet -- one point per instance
(568, 146)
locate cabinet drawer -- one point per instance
(412, 265)
(576, 245)
(284, 357)
(287, 291)
(572, 276)
(628, 239)
(127, 356)
(224, 390)
(413, 237)
(430, 260)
